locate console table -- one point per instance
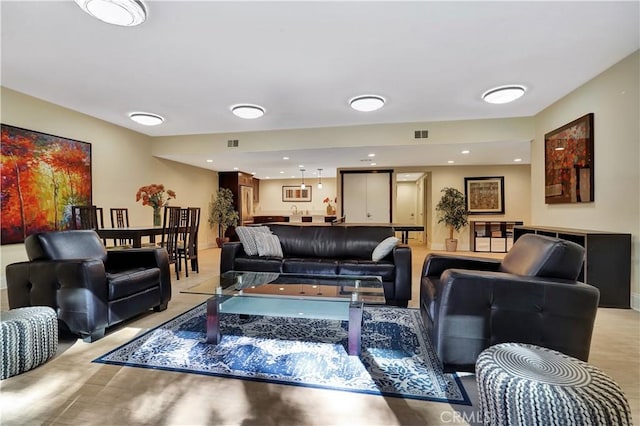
(607, 263)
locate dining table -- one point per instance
(133, 233)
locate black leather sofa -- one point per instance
(531, 296)
(330, 250)
(89, 287)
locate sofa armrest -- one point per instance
(477, 309)
(75, 289)
(435, 264)
(121, 260)
(228, 256)
(402, 262)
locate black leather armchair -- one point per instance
(89, 287)
(531, 296)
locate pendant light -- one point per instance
(302, 185)
(319, 178)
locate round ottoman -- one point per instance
(29, 337)
(521, 384)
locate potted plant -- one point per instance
(452, 209)
(221, 212)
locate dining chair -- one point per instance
(87, 217)
(170, 230)
(120, 219)
(188, 244)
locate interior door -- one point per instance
(366, 197)
(378, 198)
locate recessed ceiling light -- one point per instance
(450, 162)
(503, 94)
(146, 118)
(235, 168)
(374, 164)
(209, 161)
(281, 172)
(126, 13)
(285, 158)
(248, 111)
(301, 166)
(367, 103)
(466, 151)
(371, 155)
(517, 160)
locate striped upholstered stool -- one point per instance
(522, 384)
(29, 337)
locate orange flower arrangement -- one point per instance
(154, 195)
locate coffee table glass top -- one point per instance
(294, 295)
(367, 289)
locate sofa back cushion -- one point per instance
(541, 256)
(330, 242)
(65, 245)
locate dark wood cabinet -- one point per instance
(241, 186)
(607, 263)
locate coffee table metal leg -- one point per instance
(213, 321)
(355, 328)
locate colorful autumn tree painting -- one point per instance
(42, 177)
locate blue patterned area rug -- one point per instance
(397, 359)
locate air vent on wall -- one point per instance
(421, 134)
(232, 143)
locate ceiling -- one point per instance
(303, 61)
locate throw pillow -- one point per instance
(268, 245)
(246, 234)
(384, 248)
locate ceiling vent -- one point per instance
(232, 143)
(421, 134)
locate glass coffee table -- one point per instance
(339, 298)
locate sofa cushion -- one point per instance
(65, 245)
(541, 256)
(384, 269)
(246, 234)
(257, 264)
(311, 266)
(128, 282)
(385, 247)
(330, 242)
(268, 245)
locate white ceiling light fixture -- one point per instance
(125, 13)
(248, 111)
(504, 94)
(367, 103)
(146, 118)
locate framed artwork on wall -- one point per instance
(485, 195)
(568, 162)
(42, 177)
(295, 193)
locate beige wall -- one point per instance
(271, 196)
(613, 97)
(517, 196)
(121, 163)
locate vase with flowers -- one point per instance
(331, 210)
(156, 196)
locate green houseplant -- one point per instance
(222, 213)
(452, 209)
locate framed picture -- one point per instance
(568, 162)
(485, 195)
(295, 193)
(42, 177)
